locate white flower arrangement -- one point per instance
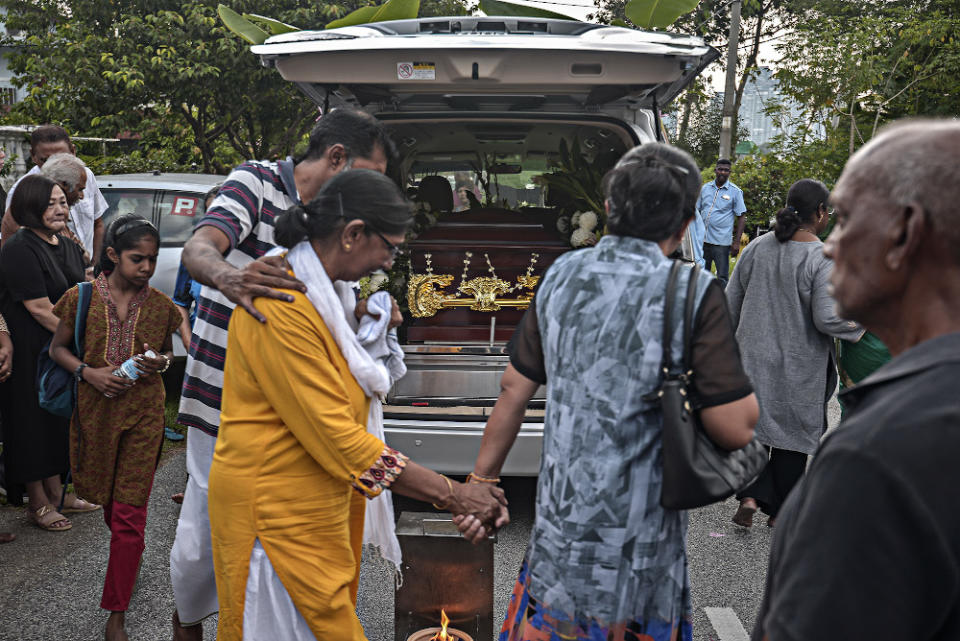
(582, 237)
(588, 220)
(372, 283)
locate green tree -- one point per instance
(166, 70)
(761, 21)
(866, 62)
(766, 178)
(701, 138)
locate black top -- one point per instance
(32, 268)
(34, 441)
(718, 373)
(868, 546)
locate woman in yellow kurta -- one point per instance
(293, 458)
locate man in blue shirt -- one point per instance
(719, 204)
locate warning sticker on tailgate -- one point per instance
(416, 71)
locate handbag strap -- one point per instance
(688, 318)
(84, 294)
(666, 363)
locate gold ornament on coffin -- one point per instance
(425, 295)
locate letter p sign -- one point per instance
(184, 206)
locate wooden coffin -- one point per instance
(510, 239)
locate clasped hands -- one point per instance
(479, 510)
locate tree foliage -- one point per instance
(165, 70)
(761, 21)
(657, 14)
(701, 138)
(866, 62)
(766, 178)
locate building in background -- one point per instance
(760, 93)
(9, 94)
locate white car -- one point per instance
(503, 108)
(173, 202)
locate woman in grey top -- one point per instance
(785, 323)
(605, 560)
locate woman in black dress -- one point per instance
(37, 266)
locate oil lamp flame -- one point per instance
(442, 634)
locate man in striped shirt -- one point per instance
(222, 255)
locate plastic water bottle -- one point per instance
(129, 367)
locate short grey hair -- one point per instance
(916, 161)
(65, 169)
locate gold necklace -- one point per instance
(800, 229)
(49, 239)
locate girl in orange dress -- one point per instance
(116, 434)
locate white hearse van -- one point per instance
(504, 128)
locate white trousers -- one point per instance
(268, 611)
(191, 558)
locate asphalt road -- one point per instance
(50, 582)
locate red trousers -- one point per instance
(126, 523)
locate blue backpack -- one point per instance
(56, 387)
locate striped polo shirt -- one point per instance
(253, 195)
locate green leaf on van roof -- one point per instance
(241, 26)
(397, 10)
(274, 26)
(501, 8)
(362, 15)
(657, 14)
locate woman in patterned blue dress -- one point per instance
(605, 560)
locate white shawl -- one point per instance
(335, 302)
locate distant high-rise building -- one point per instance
(759, 93)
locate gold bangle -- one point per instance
(472, 476)
(450, 486)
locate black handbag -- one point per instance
(696, 471)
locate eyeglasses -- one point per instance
(393, 249)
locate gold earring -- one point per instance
(347, 246)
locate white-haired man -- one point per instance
(86, 214)
(70, 173)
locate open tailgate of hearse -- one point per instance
(483, 62)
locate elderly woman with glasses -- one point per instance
(605, 560)
(295, 458)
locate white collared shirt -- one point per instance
(82, 214)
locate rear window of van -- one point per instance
(173, 212)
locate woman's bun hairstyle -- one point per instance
(353, 194)
(651, 192)
(788, 221)
(803, 202)
(290, 227)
